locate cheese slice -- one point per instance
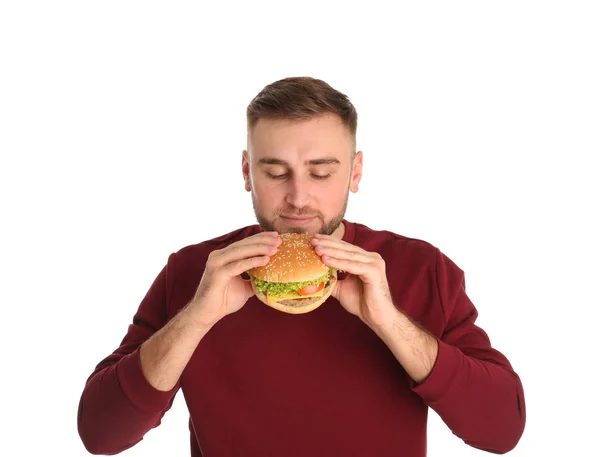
(276, 298)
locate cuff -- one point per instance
(443, 376)
(136, 387)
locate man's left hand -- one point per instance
(365, 291)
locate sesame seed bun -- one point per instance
(294, 261)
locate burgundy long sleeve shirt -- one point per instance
(266, 383)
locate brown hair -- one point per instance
(299, 98)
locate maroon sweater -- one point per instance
(265, 383)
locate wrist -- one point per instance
(384, 318)
(194, 316)
(414, 347)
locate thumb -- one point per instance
(248, 289)
(337, 287)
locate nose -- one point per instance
(297, 194)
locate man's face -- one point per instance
(300, 173)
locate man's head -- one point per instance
(301, 160)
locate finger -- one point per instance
(240, 266)
(263, 237)
(271, 234)
(335, 242)
(271, 238)
(339, 253)
(337, 288)
(237, 252)
(248, 288)
(367, 272)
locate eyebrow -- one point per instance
(323, 161)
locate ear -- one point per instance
(356, 172)
(246, 170)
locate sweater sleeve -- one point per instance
(472, 386)
(118, 406)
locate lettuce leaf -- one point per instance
(277, 288)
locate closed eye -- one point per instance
(286, 175)
(272, 176)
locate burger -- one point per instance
(295, 280)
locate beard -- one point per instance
(327, 226)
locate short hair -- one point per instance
(300, 98)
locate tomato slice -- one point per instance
(312, 289)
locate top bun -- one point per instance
(294, 261)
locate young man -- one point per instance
(354, 377)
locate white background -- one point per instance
(121, 131)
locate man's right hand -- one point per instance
(222, 290)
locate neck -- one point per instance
(339, 231)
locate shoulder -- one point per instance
(390, 245)
(412, 256)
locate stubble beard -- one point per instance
(327, 227)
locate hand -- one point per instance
(222, 290)
(365, 291)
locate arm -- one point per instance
(132, 389)
(468, 383)
(415, 348)
(118, 404)
(166, 354)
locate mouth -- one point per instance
(297, 220)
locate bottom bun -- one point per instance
(298, 306)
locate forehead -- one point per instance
(289, 140)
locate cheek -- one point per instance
(332, 196)
(268, 194)
(265, 187)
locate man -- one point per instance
(356, 376)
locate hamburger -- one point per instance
(295, 280)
